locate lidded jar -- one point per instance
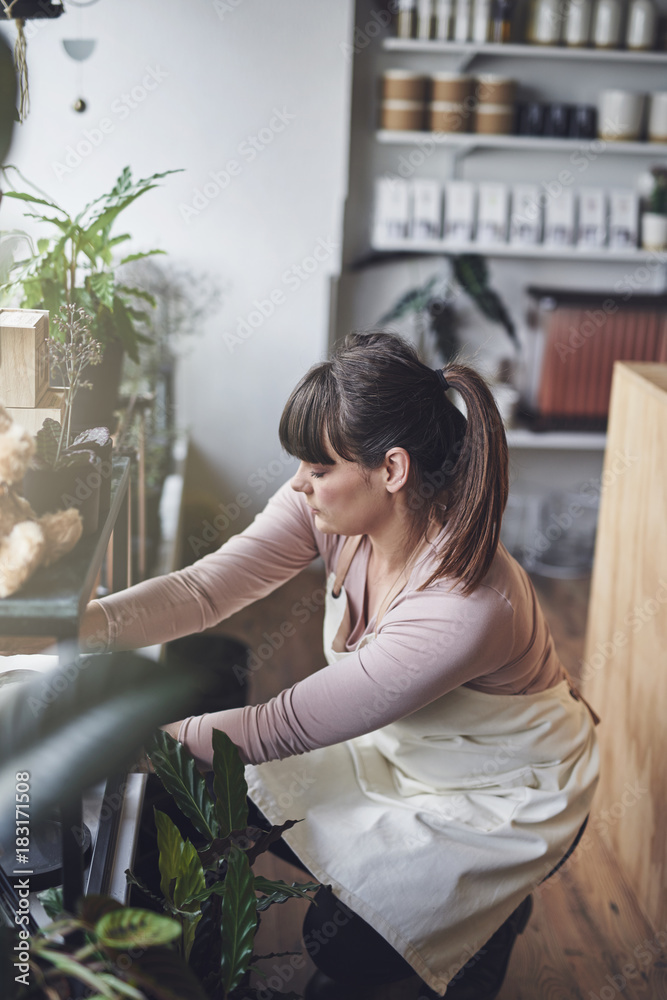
(641, 33)
(578, 23)
(607, 24)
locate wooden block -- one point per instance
(625, 662)
(32, 417)
(24, 356)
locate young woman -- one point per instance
(442, 763)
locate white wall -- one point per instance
(219, 71)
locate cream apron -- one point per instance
(434, 828)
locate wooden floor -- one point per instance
(587, 938)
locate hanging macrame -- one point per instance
(19, 11)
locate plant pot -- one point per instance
(95, 407)
(51, 490)
(654, 231)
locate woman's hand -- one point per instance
(172, 728)
(94, 630)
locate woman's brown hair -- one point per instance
(376, 394)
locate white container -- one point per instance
(578, 23)
(657, 117)
(426, 209)
(526, 217)
(654, 231)
(481, 21)
(547, 22)
(405, 25)
(620, 115)
(641, 32)
(459, 216)
(559, 219)
(592, 222)
(463, 21)
(392, 210)
(492, 213)
(424, 19)
(444, 10)
(623, 218)
(607, 24)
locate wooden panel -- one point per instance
(24, 359)
(624, 671)
(52, 405)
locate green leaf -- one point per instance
(120, 986)
(47, 440)
(140, 293)
(24, 196)
(124, 328)
(130, 927)
(229, 785)
(278, 892)
(78, 971)
(239, 919)
(181, 876)
(52, 901)
(43, 245)
(176, 768)
(102, 284)
(141, 255)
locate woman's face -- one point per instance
(344, 499)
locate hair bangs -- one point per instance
(310, 413)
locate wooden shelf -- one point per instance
(468, 141)
(521, 437)
(475, 50)
(539, 251)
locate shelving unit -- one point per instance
(539, 251)
(469, 51)
(392, 267)
(471, 141)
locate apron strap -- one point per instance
(576, 693)
(350, 546)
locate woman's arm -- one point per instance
(428, 645)
(278, 544)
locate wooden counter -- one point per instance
(624, 671)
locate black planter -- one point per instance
(95, 407)
(31, 9)
(49, 490)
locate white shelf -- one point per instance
(473, 140)
(539, 251)
(524, 51)
(521, 437)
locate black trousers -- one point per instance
(339, 942)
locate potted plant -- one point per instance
(74, 265)
(654, 221)
(66, 472)
(201, 947)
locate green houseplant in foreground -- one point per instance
(201, 948)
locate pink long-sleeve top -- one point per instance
(429, 642)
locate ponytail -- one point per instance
(376, 394)
(477, 487)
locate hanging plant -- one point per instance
(22, 11)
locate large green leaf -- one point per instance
(176, 768)
(76, 724)
(141, 255)
(229, 785)
(130, 927)
(102, 284)
(239, 919)
(124, 328)
(24, 196)
(181, 876)
(76, 970)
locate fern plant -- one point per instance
(75, 264)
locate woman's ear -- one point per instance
(396, 469)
